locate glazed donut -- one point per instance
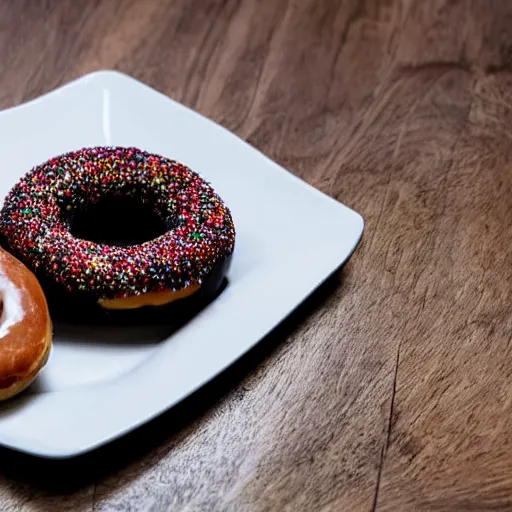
(25, 327)
(39, 213)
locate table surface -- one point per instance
(389, 389)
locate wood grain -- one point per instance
(390, 388)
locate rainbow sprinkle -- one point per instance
(35, 222)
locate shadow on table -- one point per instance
(72, 474)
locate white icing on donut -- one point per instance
(13, 312)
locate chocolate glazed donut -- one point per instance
(176, 270)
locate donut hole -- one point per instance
(117, 221)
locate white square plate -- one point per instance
(104, 382)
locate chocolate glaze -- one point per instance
(82, 308)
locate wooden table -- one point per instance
(390, 389)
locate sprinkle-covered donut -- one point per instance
(38, 213)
